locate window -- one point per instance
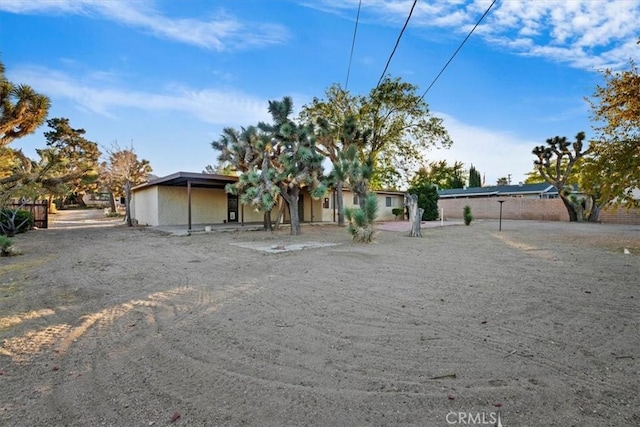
(325, 203)
(388, 201)
(355, 200)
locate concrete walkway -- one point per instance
(406, 225)
(182, 230)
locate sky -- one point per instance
(166, 76)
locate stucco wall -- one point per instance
(250, 214)
(384, 211)
(208, 205)
(144, 206)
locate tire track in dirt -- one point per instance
(227, 343)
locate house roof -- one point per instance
(181, 179)
(499, 190)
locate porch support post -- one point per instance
(189, 203)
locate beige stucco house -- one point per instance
(197, 199)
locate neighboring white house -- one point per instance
(186, 198)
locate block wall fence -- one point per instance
(531, 209)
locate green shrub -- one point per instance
(13, 221)
(427, 199)
(6, 246)
(398, 212)
(361, 220)
(466, 214)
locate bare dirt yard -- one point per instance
(538, 324)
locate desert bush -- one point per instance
(361, 220)
(398, 212)
(466, 214)
(13, 221)
(6, 246)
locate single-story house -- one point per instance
(529, 191)
(187, 199)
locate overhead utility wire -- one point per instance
(353, 43)
(397, 42)
(458, 49)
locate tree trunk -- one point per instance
(127, 203)
(268, 226)
(112, 202)
(594, 213)
(571, 209)
(340, 203)
(291, 196)
(50, 205)
(415, 214)
(80, 200)
(295, 216)
(280, 212)
(361, 197)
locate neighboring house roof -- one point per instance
(181, 179)
(499, 190)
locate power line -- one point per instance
(353, 43)
(397, 42)
(458, 49)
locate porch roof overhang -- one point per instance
(189, 180)
(184, 179)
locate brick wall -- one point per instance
(620, 216)
(512, 208)
(532, 209)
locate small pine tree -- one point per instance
(474, 177)
(466, 214)
(361, 220)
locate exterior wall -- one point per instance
(312, 210)
(248, 213)
(208, 206)
(525, 208)
(512, 208)
(384, 211)
(144, 206)
(620, 216)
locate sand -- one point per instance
(538, 324)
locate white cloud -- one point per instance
(494, 154)
(586, 34)
(221, 107)
(221, 33)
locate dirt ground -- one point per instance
(538, 324)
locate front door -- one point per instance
(232, 208)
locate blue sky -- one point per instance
(166, 76)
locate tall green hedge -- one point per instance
(427, 199)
